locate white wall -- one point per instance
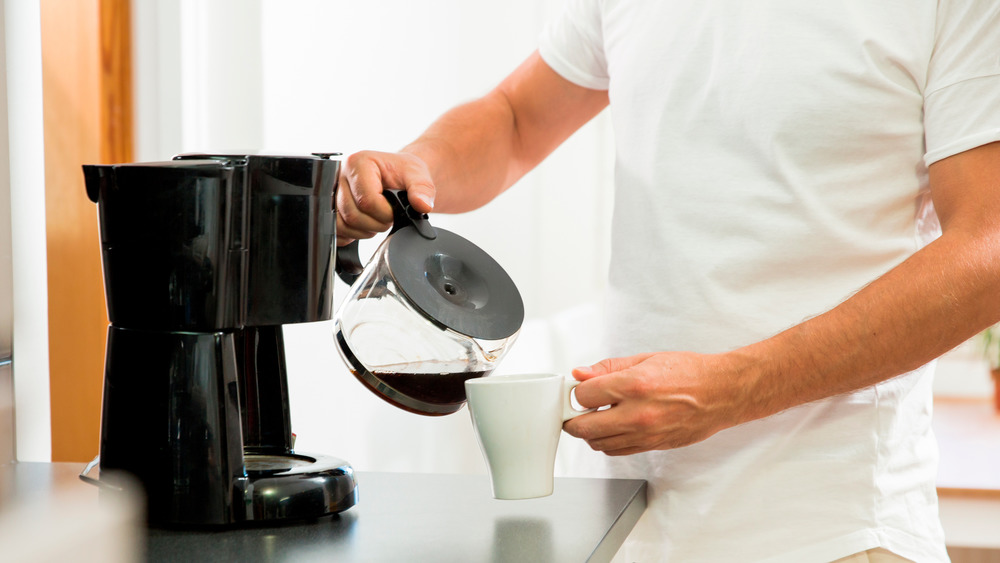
(25, 156)
(318, 75)
(314, 75)
(7, 453)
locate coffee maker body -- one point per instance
(205, 258)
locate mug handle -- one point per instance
(569, 411)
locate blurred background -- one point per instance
(116, 81)
(107, 81)
(91, 81)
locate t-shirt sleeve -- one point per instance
(573, 45)
(962, 94)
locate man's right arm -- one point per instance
(470, 154)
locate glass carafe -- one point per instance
(429, 311)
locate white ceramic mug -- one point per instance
(518, 419)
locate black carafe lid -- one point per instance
(453, 282)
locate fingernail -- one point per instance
(426, 199)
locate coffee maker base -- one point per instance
(277, 489)
(287, 487)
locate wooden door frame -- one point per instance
(88, 119)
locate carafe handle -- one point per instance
(348, 263)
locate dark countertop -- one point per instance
(411, 517)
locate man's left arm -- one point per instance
(936, 299)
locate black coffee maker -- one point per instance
(205, 258)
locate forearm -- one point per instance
(471, 153)
(935, 300)
(479, 149)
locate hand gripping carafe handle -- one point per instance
(348, 263)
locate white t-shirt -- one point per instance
(771, 160)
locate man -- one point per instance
(774, 299)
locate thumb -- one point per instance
(421, 196)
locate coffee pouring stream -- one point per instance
(428, 312)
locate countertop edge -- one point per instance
(615, 537)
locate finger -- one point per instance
(608, 389)
(607, 366)
(628, 444)
(611, 444)
(347, 234)
(615, 445)
(360, 203)
(596, 425)
(421, 197)
(624, 451)
(408, 172)
(605, 439)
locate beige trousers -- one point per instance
(877, 555)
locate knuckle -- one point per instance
(637, 386)
(366, 202)
(416, 166)
(579, 430)
(646, 418)
(357, 159)
(348, 215)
